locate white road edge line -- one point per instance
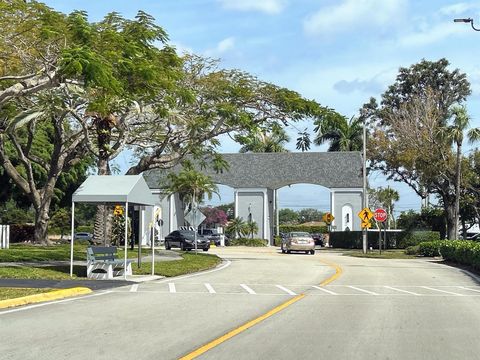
(403, 291)
(227, 264)
(28, 307)
(171, 287)
(288, 291)
(327, 291)
(248, 289)
(210, 288)
(363, 290)
(134, 288)
(467, 288)
(442, 291)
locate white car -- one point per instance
(298, 241)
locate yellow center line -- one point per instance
(204, 348)
(338, 273)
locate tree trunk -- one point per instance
(41, 225)
(103, 224)
(457, 189)
(450, 213)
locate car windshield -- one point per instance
(299, 234)
(188, 234)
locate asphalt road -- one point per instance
(376, 309)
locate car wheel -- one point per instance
(307, 251)
(312, 252)
(289, 251)
(205, 249)
(167, 245)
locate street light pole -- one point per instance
(364, 164)
(466, 20)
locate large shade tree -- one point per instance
(407, 143)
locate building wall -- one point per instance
(339, 199)
(251, 202)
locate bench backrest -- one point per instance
(99, 253)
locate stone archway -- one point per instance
(256, 176)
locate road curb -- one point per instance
(48, 296)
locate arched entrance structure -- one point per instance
(256, 176)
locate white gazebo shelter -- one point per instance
(119, 190)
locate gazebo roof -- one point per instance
(114, 189)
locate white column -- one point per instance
(71, 239)
(153, 240)
(125, 242)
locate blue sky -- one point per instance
(338, 52)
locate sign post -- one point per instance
(195, 217)
(328, 218)
(380, 216)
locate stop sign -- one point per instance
(380, 215)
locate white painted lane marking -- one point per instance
(227, 264)
(401, 290)
(288, 291)
(362, 290)
(467, 288)
(53, 302)
(210, 288)
(134, 288)
(248, 289)
(325, 290)
(442, 291)
(171, 288)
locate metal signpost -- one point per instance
(195, 217)
(380, 216)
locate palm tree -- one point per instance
(454, 134)
(250, 228)
(263, 141)
(236, 226)
(388, 197)
(340, 133)
(191, 185)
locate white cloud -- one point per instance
(222, 47)
(456, 9)
(181, 48)
(354, 14)
(266, 6)
(431, 34)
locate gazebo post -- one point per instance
(126, 235)
(153, 240)
(71, 239)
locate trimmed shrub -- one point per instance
(248, 242)
(304, 228)
(277, 241)
(412, 238)
(413, 250)
(429, 248)
(463, 252)
(346, 239)
(21, 232)
(84, 228)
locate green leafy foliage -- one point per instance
(412, 238)
(253, 242)
(303, 228)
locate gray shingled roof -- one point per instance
(276, 170)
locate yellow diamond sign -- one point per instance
(365, 215)
(118, 210)
(328, 218)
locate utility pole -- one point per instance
(365, 202)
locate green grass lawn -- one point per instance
(28, 253)
(12, 293)
(375, 254)
(189, 264)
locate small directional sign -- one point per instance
(365, 215)
(195, 217)
(328, 218)
(366, 225)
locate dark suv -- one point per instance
(211, 235)
(185, 240)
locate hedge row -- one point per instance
(305, 228)
(248, 242)
(412, 238)
(21, 232)
(463, 252)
